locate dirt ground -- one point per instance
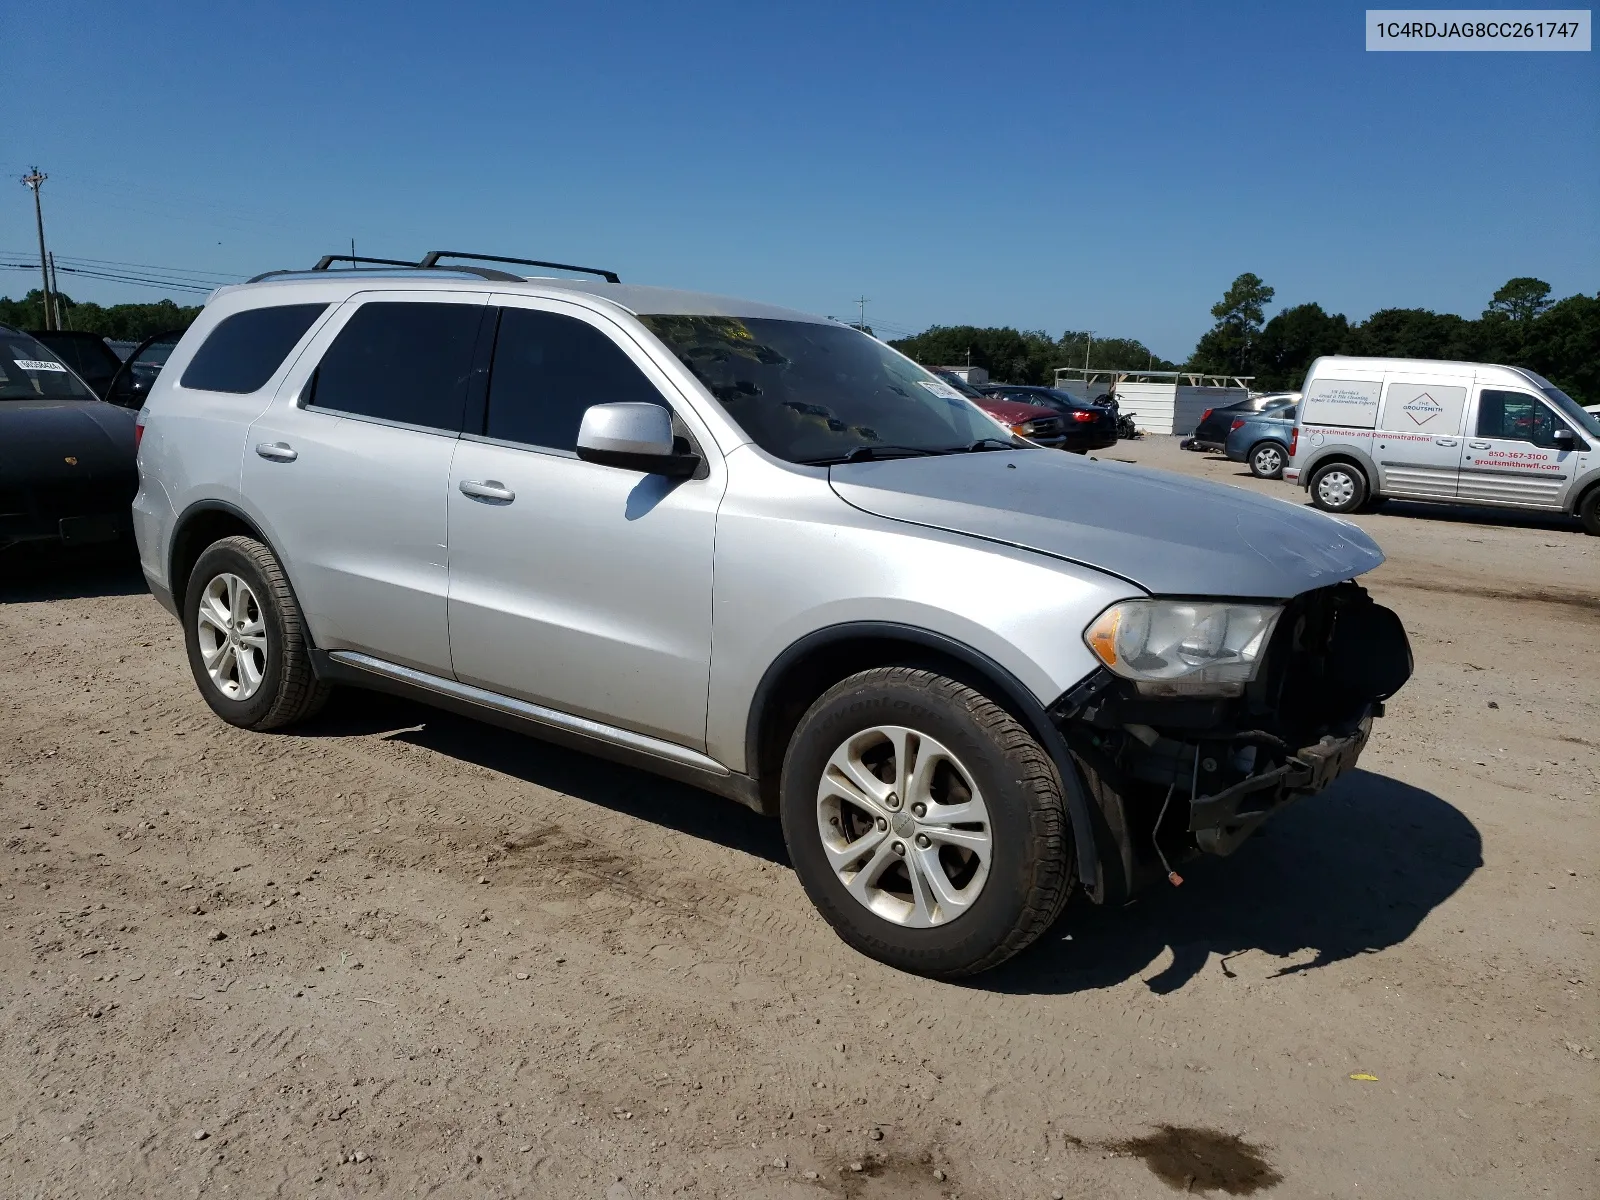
(400, 953)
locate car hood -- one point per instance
(1167, 534)
(64, 439)
(1014, 412)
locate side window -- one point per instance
(405, 362)
(1517, 417)
(246, 349)
(1423, 408)
(548, 368)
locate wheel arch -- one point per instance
(201, 524)
(810, 666)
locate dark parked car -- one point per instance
(86, 353)
(67, 472)
(1262, 440)
(1084, 427)
(1212, 432)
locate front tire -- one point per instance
(248, 646)
(1339, 488)
(1589, 512)
(1266, 460)
(925, 822)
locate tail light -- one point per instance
(1238, 423)
(1294, 439)
(1083, 418)
(1205, 416)
(138, 432)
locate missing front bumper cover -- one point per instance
(1220, 822)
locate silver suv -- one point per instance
(762, 552)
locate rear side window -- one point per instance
(246, 349)
(548, 369)
(409, 363)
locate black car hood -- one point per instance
(45, 440)
(1166, 533)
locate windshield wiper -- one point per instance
(990, 443)
(873, 453)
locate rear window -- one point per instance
(246, 349)
(30, 372)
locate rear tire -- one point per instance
(1266, 460)
(925, 822)
(248, 646)
(1339, 487)
(1589, 512)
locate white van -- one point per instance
(1371, 429)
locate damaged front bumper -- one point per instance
(1222, 820)
(1179, 776)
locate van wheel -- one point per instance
(1266, 460)
(1339, 488)
(248, 646)
(1589, 512)
(925, 823)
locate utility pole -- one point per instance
(33, 179)
(55, 290)
(863, 303)
(1087, 347)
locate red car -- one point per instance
(1032, 421)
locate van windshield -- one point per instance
(811, 392)
(1570, 409)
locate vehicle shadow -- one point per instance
(1465, 514)
(1352, 871)
(635, 793)
(28, 575)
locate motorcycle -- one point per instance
(1126, 429)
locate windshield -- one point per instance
(30, 372)
(808, 392)
(1572, 411)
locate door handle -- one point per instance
(277, 451)
(1479, 445)
(1444, 441)
(487, 489)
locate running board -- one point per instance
(625, 739)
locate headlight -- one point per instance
(1183, 647)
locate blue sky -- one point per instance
(1054, 165)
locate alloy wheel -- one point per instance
(1269, 460)
(233, 636)
(904, 826)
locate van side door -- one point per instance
(1417, 445)
(1511, 456)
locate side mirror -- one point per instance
(1564, 439)
(635, 437)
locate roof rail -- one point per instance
(431, 259)
(328, 259)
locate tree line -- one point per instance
(120, 322)
(1522, 326)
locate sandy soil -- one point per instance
(396, 952)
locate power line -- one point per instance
(115, 277)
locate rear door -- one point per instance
(1511, 456)
(1417, 445)
(349, 468)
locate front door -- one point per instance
(1512, 457)
(581, 587)
(1418, 440)
(349, 467)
